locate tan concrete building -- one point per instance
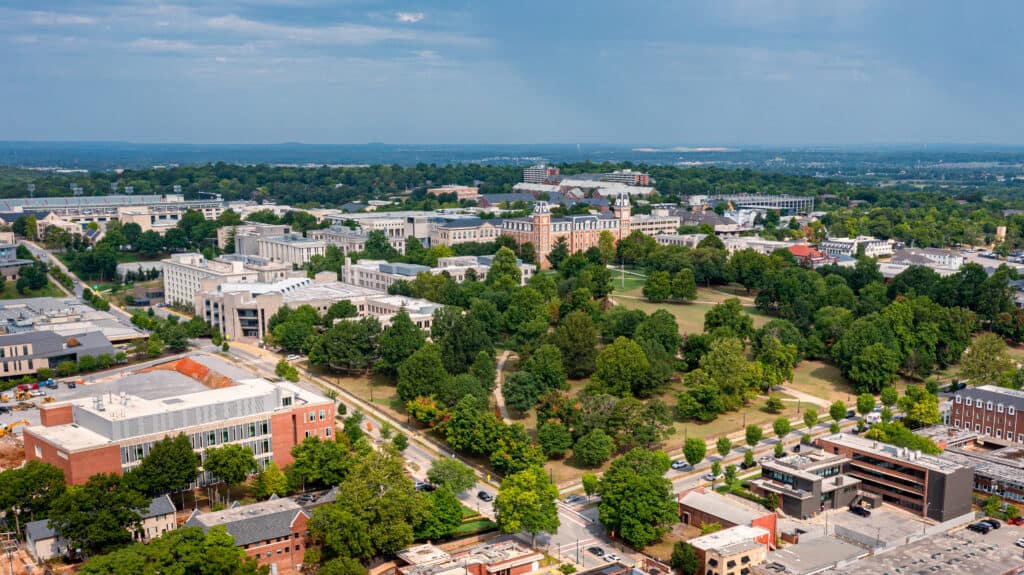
(349, 240)
(245, 235)
(379, 275)
(290, 248)
(151, 212)
(241, 311)
(464, 231)
(184, 273)
(461, 192)
(732, 551)
(659, 221)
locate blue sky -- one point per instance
(721, 72)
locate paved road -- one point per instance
(499, 394)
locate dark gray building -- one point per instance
(808, 483)
(27, 352)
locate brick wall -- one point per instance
(290, 428)
(286, 552)
(78, 467)
(50, 415)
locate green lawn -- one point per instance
(11, 292)
(689, 316)
(475, 527)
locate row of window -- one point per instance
(987, 405)
(988, 430)
(201, 440)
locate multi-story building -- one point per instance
(109, 427)
(928, 257)
(538, 173)
(659, 221)
(758, 244)
(732, 551)
(10, 263)
(152, 212)
(701, 507)
(628, 177)
(245, 236)
(781, 203)
(184, 273)
(25, 353)
(507, 557)
(721, 225)
(65, 317)
(922, 484)
(873, 247)
(685, 240)
(241, 311)
(349, 240)
(465, 230)
(990, 410)
(379, 275)
(807, 483)
(461, 192)
(274, 532)
(292, 249)
(580, 232)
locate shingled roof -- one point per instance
(252, 523)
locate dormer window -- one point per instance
(999, 408)
(960, 399)
(968, 402)
(988, 405)
(1010, 410)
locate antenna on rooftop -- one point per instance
(31, 190)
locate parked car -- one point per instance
(292, 357)
(1018, 520)
(484, 496)
(596, 551)
(982, 528)
(425, 486)
(860, 510)
(680, 465)
(744, 465)
(5, 409)
(72, 385)
(1020, 543)
(611, 557)
(573, 499)
(37, 393)
(709, 477)
(995, 524)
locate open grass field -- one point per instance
(689, 316)
(10, 291)
(822, 380)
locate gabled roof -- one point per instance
(39, 530)
(252, 523)
(161, 505)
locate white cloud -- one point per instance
(410, 17)
(161, 45)
(337, 34)
(58, 19)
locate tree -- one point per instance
(230, 463)
(184, 550)
(874, 367)
(526, 502)
(694, 450)
(865, 403)
(443, 516)
(348, 345)
(684, 558)
(810, 418)
(271, 481)
(462, 341)
(286, 370)
(171, 465)
(375, 512)
(684, 286)
(781, 427)
(342, 566)
(559, 252)
(837, 411)
(779, 450)
(621, 367)
(554, 438)
(421, 373)
(99, 515)
(889, 396)
(319, 463)
(546, 366)
(748, 458)
(521, 390)
(986, 360)
(591, 483)
(451, 474)
(345, 309)
(754, 434)
(774, 405)
(400, 442)
(660, 327)
(576, 336)
(398, 342)
(716, 470)
(730, 315)
(31, 488)
(724, 446)
(606, 244)
(636, 499)
(658, 287)
(593, 449)
(504, 269)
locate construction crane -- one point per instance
(6, 429)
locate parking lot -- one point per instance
(885, 526)
(62, 393)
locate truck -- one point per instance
(48, 383)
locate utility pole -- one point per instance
(9, 545)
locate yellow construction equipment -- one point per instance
(5, 429)
(4, 398)
(49, 399)
(21, 395)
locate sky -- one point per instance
(636, 72)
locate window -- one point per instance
(977, 427)
(988, 430)
(323, 414)
(327, 432)
(999, 433)
(39, 451)
(988, 405)
(307, 433)
(312, 416)
(1009, 436)
(968, 401)
(1010, 410)
(999, 408)
(956, 423)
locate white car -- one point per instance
(612, 558)
(292, 357)
(1020, 542)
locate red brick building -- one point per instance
(989, 410)
(110, 427)
(273, 532)
(581, 232)
(699, 507)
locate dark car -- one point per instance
(992, 523)
(596, 551)
(982, 528)
(744, 465)
(860, 510)
(424, 486)
(5, 409)
(484, 496)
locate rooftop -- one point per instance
(251, 523)
(740, 534)
(492, 554)
(718, 506)
(904, 454)
(65, 316)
